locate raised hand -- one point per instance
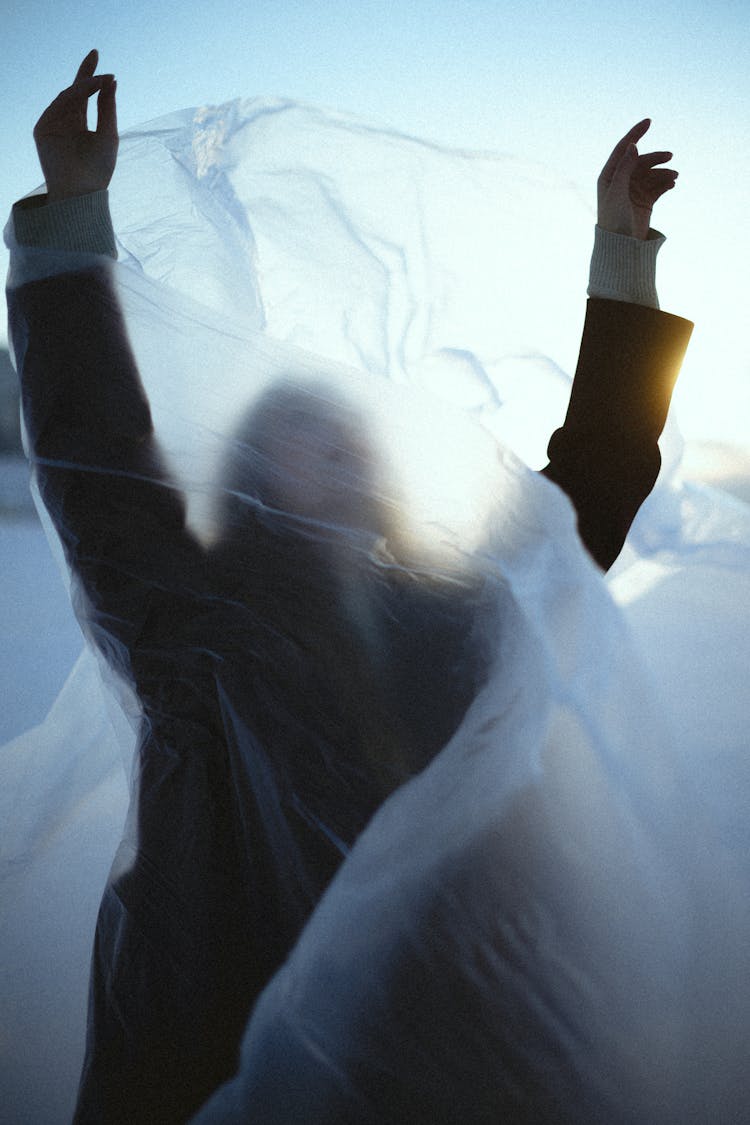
(630, 184)
(76, 160)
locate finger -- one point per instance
(655, 175)
(649, 159)
(106, 109)
(71, 103)
(663, 179)
(75, 97)
(88, 86)
(658, 190)
(81, 90)
(638, 130)
(87, 67)
(631, 138)
(652, 187)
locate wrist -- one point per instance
(59, 195)
(638, 226)
(623, 267)
(641, 225)
(79, 223)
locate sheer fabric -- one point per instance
(412, 592)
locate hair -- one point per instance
(286, 567)
(253, 477)
(356, 678)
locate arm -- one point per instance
(88, 420)
(606, 455)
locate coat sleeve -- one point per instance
(606, 455)
(91, 441)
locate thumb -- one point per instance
(106, 108)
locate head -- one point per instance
(304, 452)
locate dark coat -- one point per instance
(256, 768)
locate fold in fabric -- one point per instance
(307, 547)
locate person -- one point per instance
(277, 710)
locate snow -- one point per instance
(40, 640)
(61, 820)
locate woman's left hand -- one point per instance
(630, 184)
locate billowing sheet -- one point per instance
(546, 926)
(330, 557)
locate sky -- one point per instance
(554, 82)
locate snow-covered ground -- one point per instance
(59, 822)
(40, 639)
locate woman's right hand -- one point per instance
(76, 160)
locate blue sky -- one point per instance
(556, 82)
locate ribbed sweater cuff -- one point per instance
(624, 268)
(81, 224)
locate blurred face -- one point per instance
(318, 463)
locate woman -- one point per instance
(280, 699)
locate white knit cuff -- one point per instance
(624, 268)
(81, 224)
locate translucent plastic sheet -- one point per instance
(522, 938)
(359, 578)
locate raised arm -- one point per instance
(87, 417)
(606, 455)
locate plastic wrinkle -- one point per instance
(410, 815)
